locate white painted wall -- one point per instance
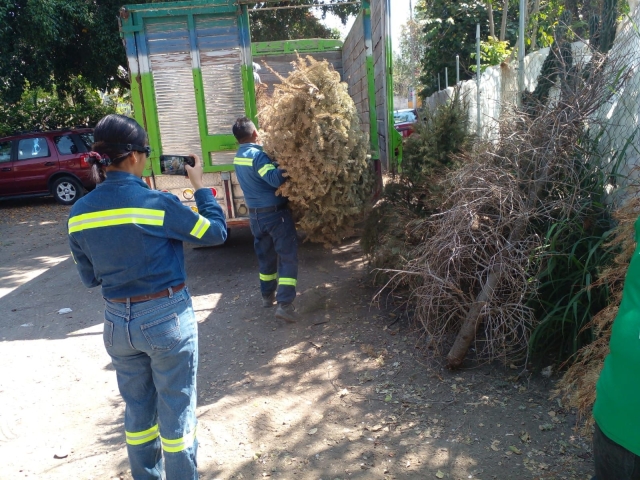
(498, 87)
(400, 102)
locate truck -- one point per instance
(191, 67)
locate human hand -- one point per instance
(195, 172)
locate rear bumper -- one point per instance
(238, 222)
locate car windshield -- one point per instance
(404, 117)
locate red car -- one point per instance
(403, 121)
(46, 163)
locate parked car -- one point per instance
(46, 163)
(403, 121)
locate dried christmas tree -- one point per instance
(310, 126)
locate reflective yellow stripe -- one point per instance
(138, 438)
(245, 162)
(178, 444)
(118, 216)
(288, 281)
(201, 226)
(268, 278)
(74, 258)
(263, 171)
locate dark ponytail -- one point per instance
(111, 136)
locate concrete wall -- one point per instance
(379, 40)
(498, 89)
(354, 54)
(400, 102)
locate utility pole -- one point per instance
(523, 12)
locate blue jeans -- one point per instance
(154, 349)
(276, 246)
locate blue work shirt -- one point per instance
(128, 238)
(259, 177)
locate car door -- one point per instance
(35, 162)
(67, 150)
(7, 186)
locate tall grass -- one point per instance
(572, 258)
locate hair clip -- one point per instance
(101, 159)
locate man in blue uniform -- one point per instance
(272, 225)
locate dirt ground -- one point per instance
(346, 393)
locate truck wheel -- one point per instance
(66, 190)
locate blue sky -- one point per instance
(399, 16)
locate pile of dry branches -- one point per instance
(310, 126)
(472, 277)
(465, 246)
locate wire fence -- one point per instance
(621, 116)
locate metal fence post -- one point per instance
(438, 81)
(521, 52)
(478, 120)
(457, 69)
(446, 77)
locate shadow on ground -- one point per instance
(345, 393)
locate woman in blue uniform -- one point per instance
(127, 239)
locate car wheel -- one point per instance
(66, 190)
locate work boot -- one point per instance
(287, 312)
(267, 300)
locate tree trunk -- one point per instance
(503, 25)
(572, 6)
(492, 28)
(608, 30)
(473, 320)
(534, 28)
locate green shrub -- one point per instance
(438, 136)
(492, 52)
(428, 155)
(40, 110)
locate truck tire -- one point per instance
(67, 190)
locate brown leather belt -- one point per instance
(143, 298)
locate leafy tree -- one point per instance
(295, 23)
(41, 110)
(292, 24)
(450, 30)
(49, 43)
(492, 52)
(406, 64)
(46, 44)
